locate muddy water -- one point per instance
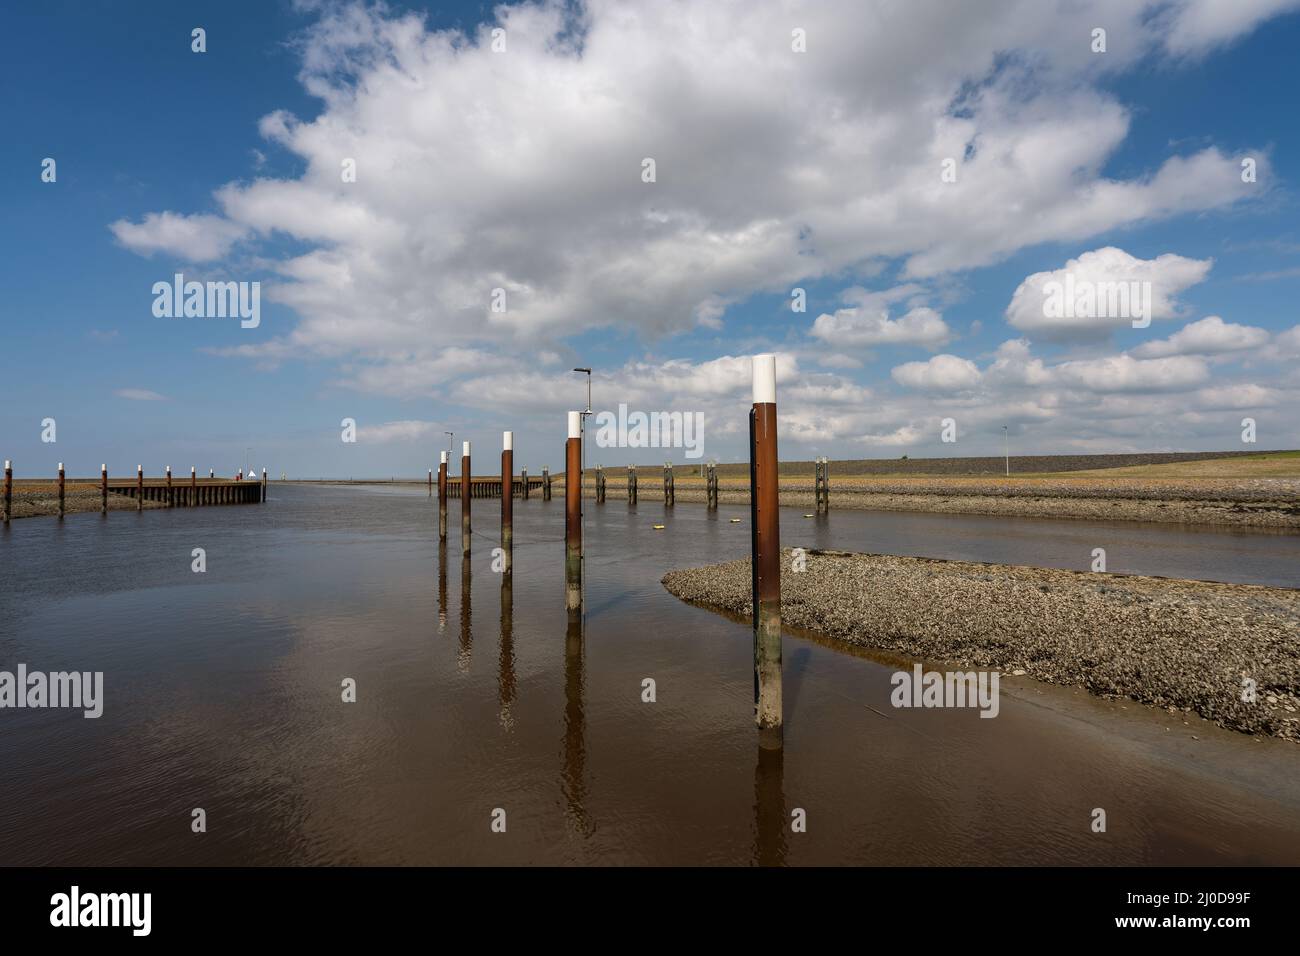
(223, 692)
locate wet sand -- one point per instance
(1188, 647)
(43, 501)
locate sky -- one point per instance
(445, 208)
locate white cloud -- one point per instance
(942, 373)
(1168, 276)
(1123, 373)
(868, 323)
(139, 395)
(1238, 396)
(198, 238)
(522, 171)
(1209, 336)
(404, 431)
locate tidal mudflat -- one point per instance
(221, 691)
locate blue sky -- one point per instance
(521, 169)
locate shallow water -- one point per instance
(223, 692)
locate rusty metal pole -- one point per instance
(169, 500)
(442, 496)
(103, 489)
(264, 485)
(464, 499)
(507, 498)
(193, 498)
(60, 489)
(430, 482)
(573, 514)
(766, 553)
(9, 489)
(139, 487)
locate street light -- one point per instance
(451, 442)
(588, 373)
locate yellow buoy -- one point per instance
(659, 527)
(735, 521)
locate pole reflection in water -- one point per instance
(442, 587)
(575, 754)
(506, 680)
(466, 637)
(769, 807)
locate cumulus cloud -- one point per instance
(522, 171)
(1124, 373)
(1210, 336)
(867, 322)
(404, 431)
(197, 238)
(943, 373)
(1096, 274)
(140, 395)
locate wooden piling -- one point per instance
(442, 497)
(546, 483)
(631, 485)
(9, 489)
(264, 485)
(139, 487)
(670, 491)
(507, 498)
(103, 489)
(523, 483)
(765, 553)
(600, 484)
(61, 483)
(822, 486)
(573, 514)
(465, 492)
(168, 499)
(430, 482)
(711, 486)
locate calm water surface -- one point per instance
(223, 692)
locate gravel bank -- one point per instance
(1180, 645)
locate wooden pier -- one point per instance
(491, 487)
(191, 494)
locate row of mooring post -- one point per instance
(191, 498)
(765, 546)
(822, 486)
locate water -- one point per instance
(223, 693)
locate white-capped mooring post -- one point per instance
(263, 484)
(464, 499)
(766, 553)
(61, 480)
(103, 489)
(9, 489)
(442, 496)
(139, 487)
(573, 515)
(507, 499)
